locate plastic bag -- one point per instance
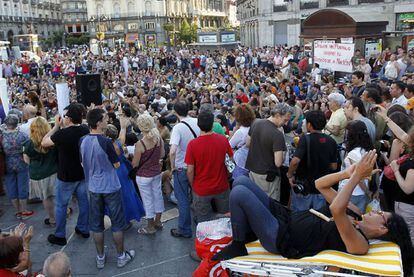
(374, 205)
(214, 229)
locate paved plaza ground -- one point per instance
(156, 255)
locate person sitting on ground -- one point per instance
(15, 251)
(57, 265)
(255, 215)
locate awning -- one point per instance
(131, 37)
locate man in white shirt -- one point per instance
(29, 113)
(162, 102)
(397, 92)
(181, 135)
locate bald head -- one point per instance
(29, 111)
(57, 265)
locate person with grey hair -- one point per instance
(57, 265)
(337, 123)
(266, 150)
(17, 171)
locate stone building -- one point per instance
(274, 22)
(18, 17)
(74, 16)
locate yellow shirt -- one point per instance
(338, 118)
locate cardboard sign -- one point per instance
(4, 96)
(334, 56)
(63, 94)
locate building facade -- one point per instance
(74, 16)
(144, 20)
(18, 17)
(276, 22)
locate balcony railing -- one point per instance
(335, 3)
(309, 5)
(370, 1)
(129, 15)
(279, 8)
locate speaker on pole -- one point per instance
(88, 87)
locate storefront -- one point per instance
(334, 41)
(405, 22)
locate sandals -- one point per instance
(159, 226)
(146, 231)
(49, 223)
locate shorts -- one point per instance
(44, 188)
(202, 205)
(112, 203)
(17, 185)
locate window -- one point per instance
(117, 10)
(150, 25)
(148, 7)
(79, 29)
(131, 7)
(70, 29)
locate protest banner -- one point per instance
(333, 56)
(62, 93)
(4, 96)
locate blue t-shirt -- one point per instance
(98, 158)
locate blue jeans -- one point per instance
(303, 203)
(182, 193)
(64, 191)
(239, 171)
(250, 213)
(17, 184)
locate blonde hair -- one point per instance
(146, 124)
(38, 129)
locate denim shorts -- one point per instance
(17, 185)
(111, 203)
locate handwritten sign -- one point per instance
(4, 96)
(333, 56)
(63, 94)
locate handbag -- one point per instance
(389, 173)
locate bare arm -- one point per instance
(173, 153)
(334, 130)
(278, 156)
(248, 141)
(354, 241)
(137, 155)
(26, 159)
(190, 174)
(407, 184)
(46, 141)
(397, 131)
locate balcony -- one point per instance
(335, 3)
(309, 5)
(280, 8)
(370, 1)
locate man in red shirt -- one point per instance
(241, 96)
(206, 170)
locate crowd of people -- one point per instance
(260, 133)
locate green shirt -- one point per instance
(218, 129)
(42, 165)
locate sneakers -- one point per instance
(126, 258)
(100, 262)
(84, 235)
(175, 233)
(56, 240)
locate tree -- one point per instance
(57, 37)
(77, 40)
(187, 33)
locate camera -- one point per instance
(300, 188)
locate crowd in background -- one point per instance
(174, 124)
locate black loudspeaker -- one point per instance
(89, 89)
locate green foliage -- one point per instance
(169, 27)
(188, 33)
(57, 37)
(77, 40)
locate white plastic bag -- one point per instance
(374, 205)
(214, 229)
